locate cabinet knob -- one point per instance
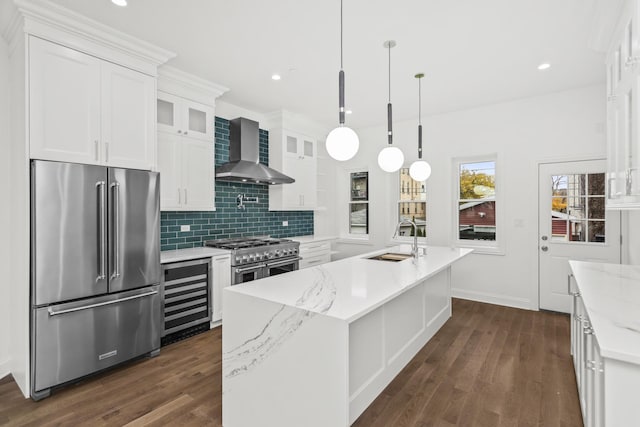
(179, 131)
(185, 132)
(544, 248)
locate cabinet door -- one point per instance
(64, 103)
(128, 134)
(221, 279)
(170, 168)
(169, 113)
(310, 166)
(197, 174)
(197, 120)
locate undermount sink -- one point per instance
(391, 256)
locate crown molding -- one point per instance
(47, 20)
(180, 83)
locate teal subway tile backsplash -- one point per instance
(229, 221)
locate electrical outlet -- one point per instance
(285, 223)
(185, 228)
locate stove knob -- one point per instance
(277, 252)
(266, 254)
(237, 260)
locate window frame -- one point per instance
(490, 247)
(345, 233)
(395, 213)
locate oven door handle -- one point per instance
(285, 262)
(255, 267)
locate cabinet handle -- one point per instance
(630, 181)
(185, 196)
(569, 276)
(95, 149)
(179, 197)
(106, 152)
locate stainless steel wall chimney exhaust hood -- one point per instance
(243, 165)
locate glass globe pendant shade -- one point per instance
(420, 170)
(342, 143)
(390, 159)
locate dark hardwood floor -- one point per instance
(488, 366)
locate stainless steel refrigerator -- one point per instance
(95, 270)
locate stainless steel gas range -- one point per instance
(253, 258)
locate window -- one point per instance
(577, 208)
(412, 204)
(476, 206)
(359, 203)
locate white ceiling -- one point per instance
(472, 52)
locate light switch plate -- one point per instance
(185, 228)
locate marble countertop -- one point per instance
(191, 253)
(611, 295)
(352, 287)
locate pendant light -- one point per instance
(342, 142)
(420, 170)
(390, 158)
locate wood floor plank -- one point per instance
(487, 366)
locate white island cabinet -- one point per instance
(605, 342)
(316, 346)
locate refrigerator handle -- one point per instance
(115, 187)
(52, 312)
(101, 232)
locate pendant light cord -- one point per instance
(389, 73)
(419, 101)
(341, 35)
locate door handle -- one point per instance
(255, 267)
(544, 248)
(52, 312)
(100, 185)
(115, 187)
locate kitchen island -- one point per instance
(316, 346)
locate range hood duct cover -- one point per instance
(243, 165)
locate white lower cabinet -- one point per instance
(607, 387)
(314, 253)
(221, 272)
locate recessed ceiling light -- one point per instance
(544, 66)
(348, 112)
(119, 2)
(276, 77)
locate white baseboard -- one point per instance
(4, 368)
(492, 298)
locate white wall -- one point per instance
(4, 207)
(558, 126)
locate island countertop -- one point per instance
(611, 296)
(348, 289)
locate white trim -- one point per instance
(4, 368)
(491, 298)
(185, 85)
(495, 247)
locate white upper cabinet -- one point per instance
(184, 117)
(128, 131)
(186, 155)
(186, 173)
(64, 103)
(86, 110)
(294, 153)
(623, 113)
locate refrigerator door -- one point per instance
(68, 251)
(76, 339)
(134, 229)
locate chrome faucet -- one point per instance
(414, 247)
